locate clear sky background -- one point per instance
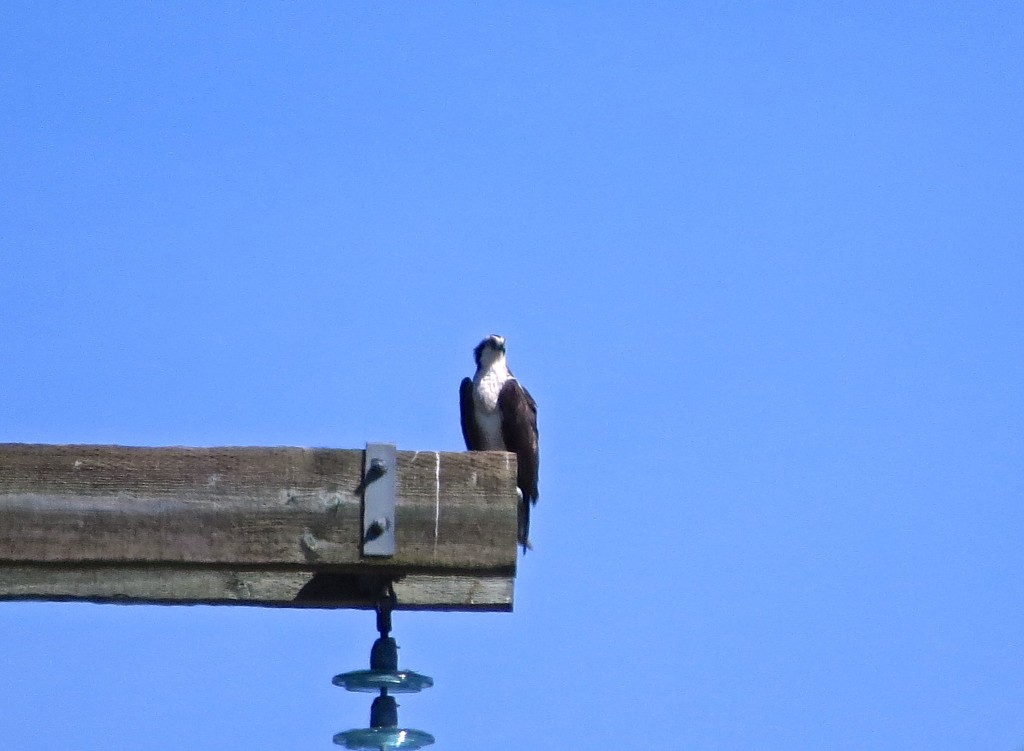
(761, 265)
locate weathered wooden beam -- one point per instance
(255, 525)
(192, 585)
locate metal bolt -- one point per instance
(377, 527)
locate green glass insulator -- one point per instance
(383, 739)
(396, 681)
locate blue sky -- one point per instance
(761, 266)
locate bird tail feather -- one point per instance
(524, 524)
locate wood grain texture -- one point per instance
(192, 585)
(251, 508)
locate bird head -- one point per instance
(489, 350)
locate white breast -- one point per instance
(486, 387)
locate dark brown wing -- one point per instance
(470, 431)
(519, 431)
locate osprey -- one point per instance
(498, 414)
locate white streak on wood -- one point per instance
(437, 496)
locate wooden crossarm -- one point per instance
(251, 525)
